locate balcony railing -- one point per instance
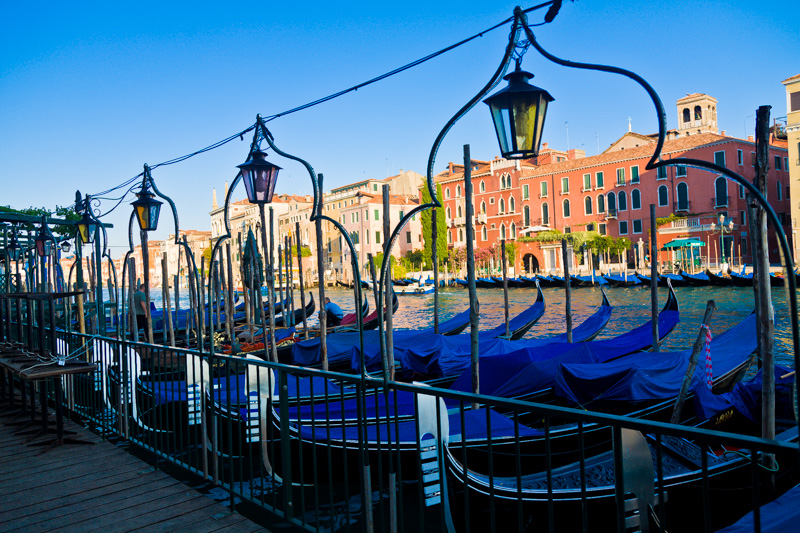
(459, 221)
(611, 213)
(721, 201)
(683, 206)
(482, 218)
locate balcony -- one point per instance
(683, 206)
(612, 213)
(721, 201)
(459, 221)
(482, 218)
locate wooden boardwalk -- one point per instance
(98, 487)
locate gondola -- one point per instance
(695, 280)
(297, 317)
(617, 280)
(556, 281)
(546, 281)
(741, 279)
(719, 280)
(513, 283)
(683, 462)
(485, 283)
(674, 279)
(588, 281)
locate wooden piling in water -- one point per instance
(766, 314)
(300, 279)
(687, 379)
(654, 279)
(567, 289)
(387, 233)
(229, 302)
(474, 307)
(505, 287)
(435, 261)
(323, 321)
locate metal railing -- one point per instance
(332, 451)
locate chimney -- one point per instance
(576, 153)
(723, 133)
(214, 204)
(544, 146)
(750, 138)
(450, 166)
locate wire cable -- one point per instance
(554, 7)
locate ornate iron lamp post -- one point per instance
(518, 113)
(722, 228)
(146, 207)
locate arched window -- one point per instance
(484, 233)
(458, 191)
(526, 216)
(447, 192)
(508, 181)
(780, 191)
(721, 192)
(587, 205)
(512, 206)
(545, 214)
(502, 206)
(513, 231)
(460, 213)
(566, 208)
(663, 196)
(622, 200)
(601, 204)
(698, 112)
(683, 196)
(460, 235)
(612, 203)
(502, 231)
(636, 199)
(483, 208)
(449, 238)
(447, 212)
(483, 186)
(687, 117)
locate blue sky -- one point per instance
(92, 91)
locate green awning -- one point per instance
(683, 243)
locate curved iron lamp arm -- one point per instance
(656, 162)
(147, 180)
(519, 20)
(316, 214)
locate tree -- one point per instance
(60, 230)
(427, 225)
(305, 251)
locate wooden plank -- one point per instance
(75, 482)
(97, 504)
(73, 471)
(18, 466)
(133, 512)
(222, 521)
(46, 501)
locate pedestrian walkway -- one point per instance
(98, 486)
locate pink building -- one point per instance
(363, 221)
(612, 192)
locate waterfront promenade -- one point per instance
(98, 486)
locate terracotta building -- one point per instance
(611, 193)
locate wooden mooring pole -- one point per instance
(654, 279)
(300, 279)
(505, 285)
(323, 347)
(567, 289)
(474, 307)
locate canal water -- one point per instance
(631, 309)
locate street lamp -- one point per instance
(259, 176)
(146, 207)
(86, 227)
(721, 229)
(43, 241)
(518, 113)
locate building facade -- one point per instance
(793, 137)
(611, 194)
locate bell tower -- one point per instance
(697, 113)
